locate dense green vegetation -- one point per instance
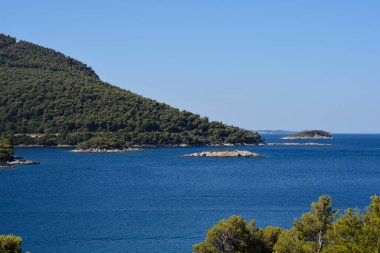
(48, 98)
(102, 143)
(319, 230)
(312, 133)
(6, 151)
(10, 244)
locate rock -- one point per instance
(17, 161)
(224, 153)
(22, 162)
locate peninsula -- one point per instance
(50, 99)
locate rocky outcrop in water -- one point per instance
(23, 162)
(17, 161)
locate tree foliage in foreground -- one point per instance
(48, 98)
(319, 230)
(10, 244)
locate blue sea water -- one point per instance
(158, 201)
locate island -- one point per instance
(309, 134)
(224, 153)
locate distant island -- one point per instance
(50, 99)
(309, 134)
(224, 153)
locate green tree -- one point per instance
(231, 235)
(290, 241)
(267, 238)
(346, 233)
(309, 233)
(235, 235)
(10, 244)
(6, 151)
(371, 228)
(316, 231)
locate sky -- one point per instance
(294, 65)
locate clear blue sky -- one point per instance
(255, 64)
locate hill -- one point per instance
(48, 98)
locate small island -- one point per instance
(309, 134)
(103, 145)
(224, 153)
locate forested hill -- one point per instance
(48, 98)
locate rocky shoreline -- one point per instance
(146, 145)
(99, 150)
(296, 144)
(17, 161)
(44, 146)
(224, 153)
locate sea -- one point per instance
(157, 200)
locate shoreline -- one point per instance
(148, 145)
(100, 150)
(11, 164)
(307, 138)
(296, 144)
(224, 154)
(192, 146)
(43, 146)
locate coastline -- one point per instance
(148, 145)
(296, 144)
(224, 154)
(17, 161)
(101, 150)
